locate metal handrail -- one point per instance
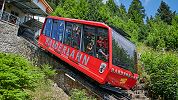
(9, 17)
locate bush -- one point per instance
(48, 71)
(79, 95)
(17, 75)
(161, 35)
(162, 68)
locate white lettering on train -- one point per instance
(72, 54)
(66, 51)
(48, 42)
(55, 45)
(119, 72)
(85, 60)
(78, 57)
(60, 48)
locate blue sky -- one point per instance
(150, 6)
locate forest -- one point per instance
(156, 37)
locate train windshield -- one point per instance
(123, 52)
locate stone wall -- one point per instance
(11, 43)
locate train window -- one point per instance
(102, 44)
(89, 40)
(54, 29)
(58, 29)
(48, 27)
(73, 35)
(123, 52)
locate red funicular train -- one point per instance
(93, 48)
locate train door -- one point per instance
(95, 44)
(102, 44)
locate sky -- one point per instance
(150, 6)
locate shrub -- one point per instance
(161, 35)
(17, 74)
(162, 68)
(77, 94)
(48, 71)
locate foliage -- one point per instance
(112, 6)
(48, 71)
(136, 12)
(97, 11)
(79, 95)
(122, 13)
(162, 35)
(158, 32)
(17, 75)
(55, 3)
(129, 27)
(47, 90)
(162, 68)
(165, 13)
(93, 10)
(175, 21)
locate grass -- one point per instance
(48, 90)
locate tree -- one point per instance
(81, 10)
(165, 13)
(122, 12)
(175, 21)
(104, 11)
(136, 12)
(68, 9)
(112, 6)
(93, 13)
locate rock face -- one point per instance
(11, 43)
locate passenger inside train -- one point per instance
(101, 48)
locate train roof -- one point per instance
(93, 23)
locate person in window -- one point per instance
(89, 48)
(105, 43)
(100, 41)
(101, 49)
(68, 36)
(76, 37)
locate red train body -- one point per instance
(72, 40)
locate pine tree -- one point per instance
(165, 13)
(175, 21)
(112, 6)
(93, 11)
(122, 12)
(136, 12)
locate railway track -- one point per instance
(100, 92)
